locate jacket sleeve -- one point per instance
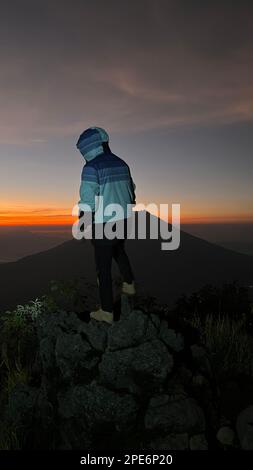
(133, 187)
(89, 187)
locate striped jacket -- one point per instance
(106, 178)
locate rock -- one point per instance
(47, 354)
(123, 386)
(198, 442)
(175, 417)
(126, 306)
(244, 427)
(145, 366)
(69, 344)
(173, 340)
(226, 436)
(74, 356)
(98, 406)
(115, 370)
(171, 442)
(50, 324)
(151, 364)
(175, 391)
(130, 331)
(95, 333)
(159, 400)
(156, 321)
(74, 435)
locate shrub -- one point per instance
(68, 295)
(18, 344)
(228, 299)
(228, 342)
(8, 438)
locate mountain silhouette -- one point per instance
(161, 274)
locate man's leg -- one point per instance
(103, 259)
(122, 260)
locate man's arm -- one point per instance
(133, 187)
(89, 189)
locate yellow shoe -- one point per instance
(128, 289)
(102, 315)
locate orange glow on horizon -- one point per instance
(35, 216)
(35, 220)
(32, 218)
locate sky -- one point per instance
(170, 81)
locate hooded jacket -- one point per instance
(106, 175)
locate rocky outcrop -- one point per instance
(140, 383)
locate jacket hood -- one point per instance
(90, 142)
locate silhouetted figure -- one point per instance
(106, 179)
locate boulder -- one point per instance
(142, 367)
(244, 427)
(178, 416)
(74, 356)
(198, 442)
(50, 324)
(97, 406)
(132, 330)
(95, 333)
(171, 442)
(226, 436)
(173, 340)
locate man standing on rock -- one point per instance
(106, 182)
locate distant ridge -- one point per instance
(162, 274)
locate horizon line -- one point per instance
(68, 220)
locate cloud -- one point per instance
(129, 66)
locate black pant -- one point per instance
(105, 251)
